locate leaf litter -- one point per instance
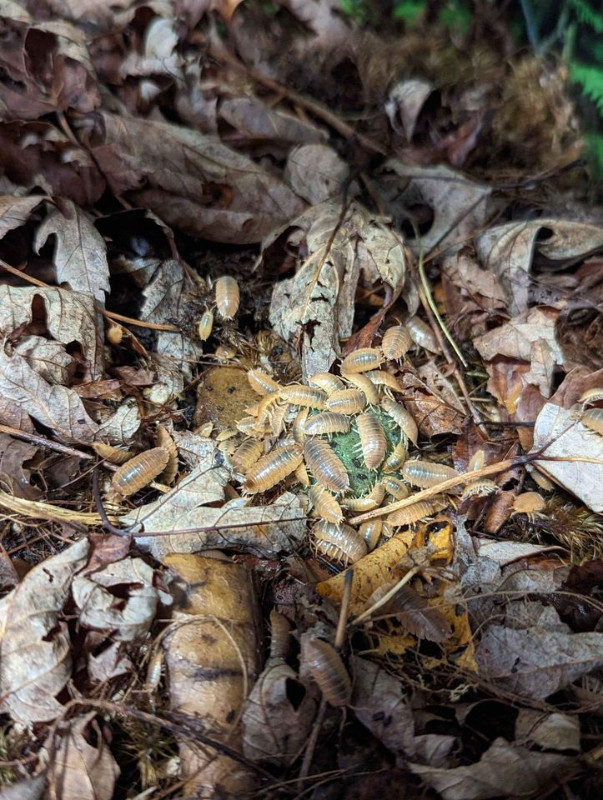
(301, 184)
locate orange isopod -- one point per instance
(325, 505)
(372, 439)
(591, 396)
(529, 503)
(382, 378)
(426, 474)
(328, 670)
(396, 342)
(415, 512)
(347, 401)
(327, 422)
(325, 465)
(308, 396)
(327, 382)
(246, 454)
(301, 473)
(205, 326)
(272, 468)
(480, 488)
(422, 335)
(164, 439)
(338, 542)
(593, 419)
(402, 418)
(395, 487)
(298, 429)
(261, 383)
(367, 502)
(227, 296)
(362, 360)
(139, 471)
(396, 458)
(280, 635)
(370, 391)
(115, 455)
(371, 532)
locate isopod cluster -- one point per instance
(345, 439)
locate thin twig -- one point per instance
(386, 597)
(156, 326)
(44, 442)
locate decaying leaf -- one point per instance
(529, 337)
(580, 450)
(315, 308)
(458, 205)
(277, 717)
(549, 731)
(80, 254)
(190, 181)
(511, 250)
(15, 211)
(505, 769)
(128, 619)
(35, 648)
(381, 703)
(316, 173)
(82, 766)
(211, 682)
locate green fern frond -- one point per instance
(590, 79)
(587, 15)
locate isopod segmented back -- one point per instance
(347, 401)
(227, 296)
(362, 360)
(327, 422)
(396, 342)
(272, 468)
(139, 471)
(372, 439)
(338, 542)
(326, 466)
(426, 474)
(328, 670)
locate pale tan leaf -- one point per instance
(80, 255)
(69, 316)
(315, 172)
(82, 766)
(548, 731)
(460, 206)
(57, 407)
(34, 789)
(567, 438)
(404, 103)
(50, 360)
(277, 716)
(257, 121)
(509, 251)
(381, 703)
(535, 662)
(15, 211)
(35, 650)
(503, 770)
(126, 618)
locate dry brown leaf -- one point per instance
(222, 397)
(381, 704)
(430, 409)
(256, 122)
(80, 254)
(459, 205)
(82, 766)
(15, 211)
(315, 308)
(570, 439)
(404, 103)
(35, 649)
(548, 731)
(68, 316)
(15, 477)
(48, 359)
(36, 154)
(370, 573)
(503, 770)
(535, 662)
(529, 337)
(277, 717)
(218, 606)
(189, 180)
(315, 172)
(510, 251)
(57, 407)
(47, 69)
(119, 600)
